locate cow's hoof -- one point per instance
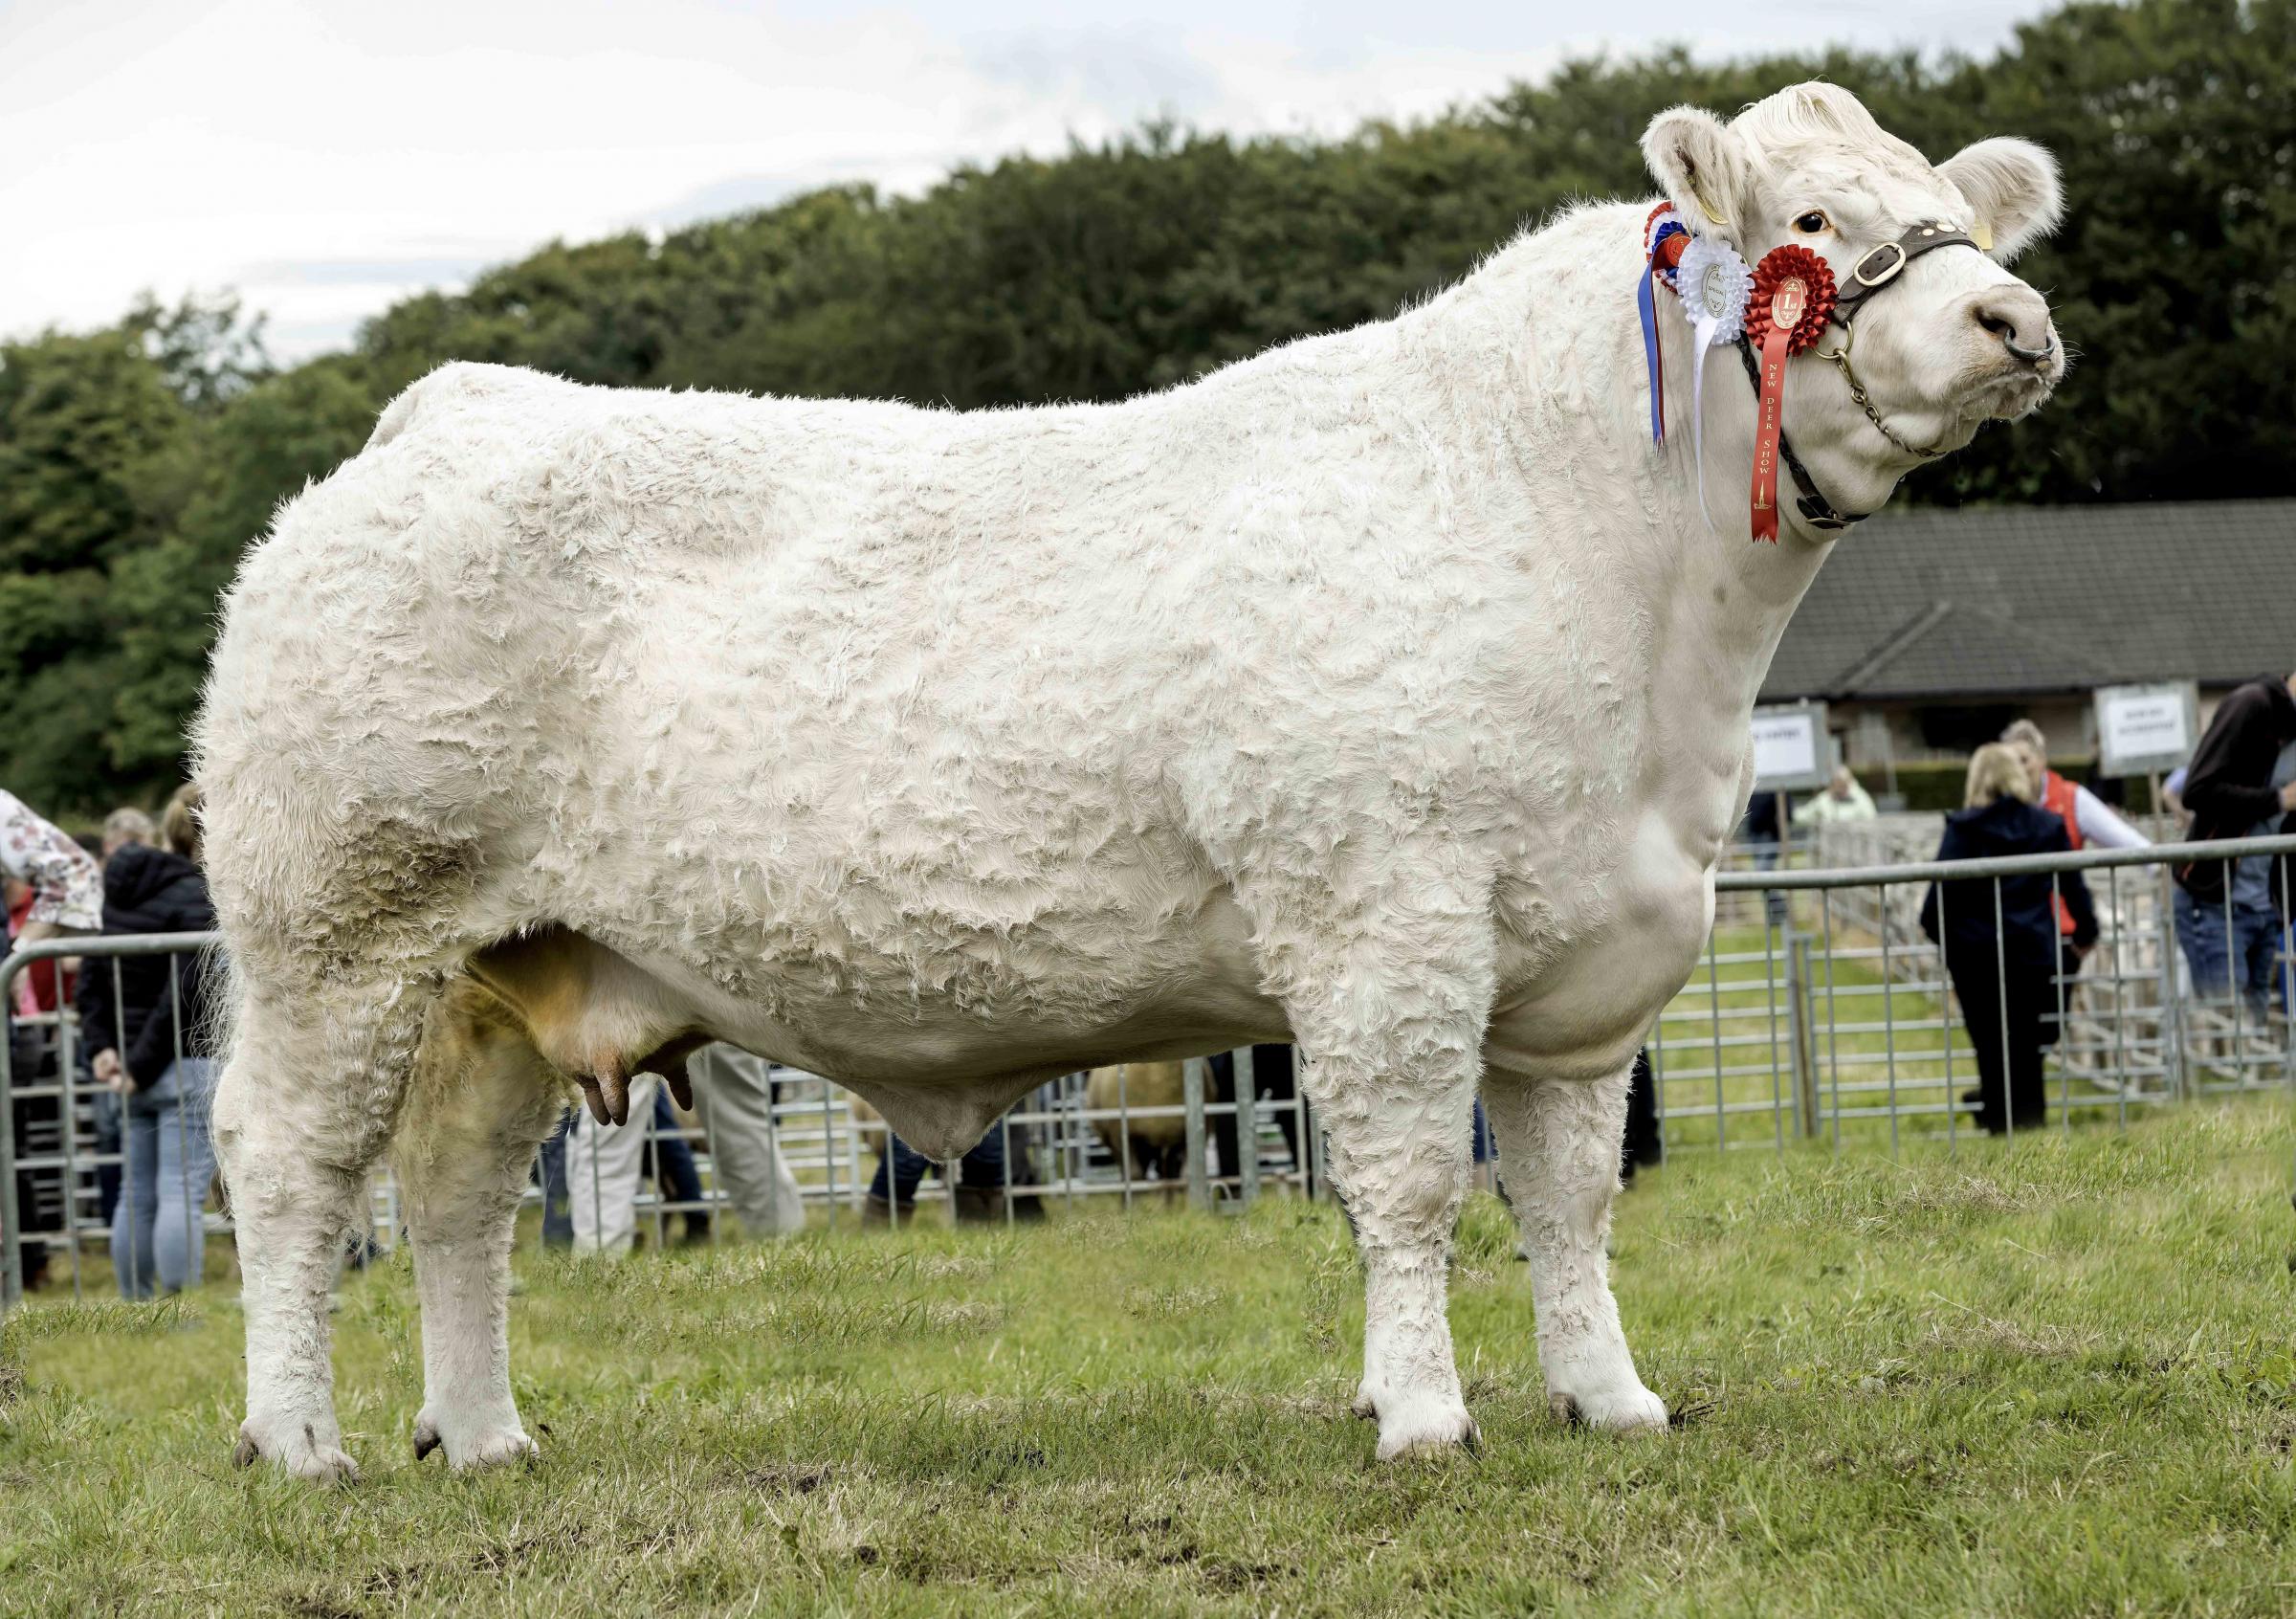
(501, 1449)
(299, 1452)
(486, 1446)
(1619, 1411)
(1424, 1426)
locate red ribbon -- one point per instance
(1793, 298)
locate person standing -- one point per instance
(733, 1094)
(1273, 1077)
(2241, 783)
(125, 826)
(2001, 935)
(2087, 818)
(55, 890)
(67, 890)
(146, 1025)
(1844, 800)
(1764, 838)
(985, 1175)
(1644, 1143)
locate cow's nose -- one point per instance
(2019, 317)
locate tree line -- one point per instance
(137, 463)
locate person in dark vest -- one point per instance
(2001, 952)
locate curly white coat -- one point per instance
(1386, 693)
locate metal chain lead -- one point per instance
(1857, 393)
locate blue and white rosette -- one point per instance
(1714, 283)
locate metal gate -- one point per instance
(1820, 1014)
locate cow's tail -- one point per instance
(221, 995)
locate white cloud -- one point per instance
(327, 158)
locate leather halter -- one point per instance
(1884, 265)
(1880, 268)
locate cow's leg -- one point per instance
(1401, 1162)
(304, 1108)
(1558, 1156)
(483, 1102)
(1389, 1003)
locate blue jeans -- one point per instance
(2248, 956)
(158, 1233)
(681, 1177)
(1766, 851)
(103, 1107)
(984, 1166)
(558, 1212)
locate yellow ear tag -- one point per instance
(1981, 234)
(1706, 207)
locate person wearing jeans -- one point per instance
(979, 1193)
(550, 1171)
(2235, 953)
(159, 1234)
(146, 1025)
(2241, 783)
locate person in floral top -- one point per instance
(67, 889)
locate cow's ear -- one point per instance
(2013, 192)
(1701, 166)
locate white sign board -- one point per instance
(1791, 752)
(2146, 728)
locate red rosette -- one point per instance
(1781, 267)
(1787, 312)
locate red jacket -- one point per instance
(2057, 797)
(40, 974)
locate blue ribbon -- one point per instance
(1649, 313)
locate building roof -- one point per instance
(1996, 600)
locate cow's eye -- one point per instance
(1811, 223)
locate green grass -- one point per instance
(2056, 1378)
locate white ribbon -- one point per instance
(1714, 283)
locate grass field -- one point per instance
(2056, 1378)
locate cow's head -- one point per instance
(1953, 339)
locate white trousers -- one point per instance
(735, 1100)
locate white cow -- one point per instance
(1385, 693)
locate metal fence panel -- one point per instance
(1821, 1012)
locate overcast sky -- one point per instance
(326, 157)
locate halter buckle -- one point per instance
(1881, 277)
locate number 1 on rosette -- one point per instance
(1792, 302)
